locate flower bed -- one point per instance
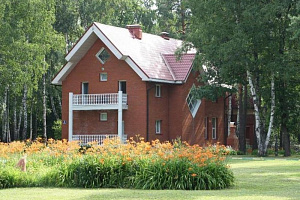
(140, 165)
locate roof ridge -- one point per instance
(153, 34)
(168, 66)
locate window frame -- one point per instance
(98, 54)
(157, 90)
(214, 128)
(193, 107)
(101, 117)
(122, 85)
(84, 87)
(101, 77)
(158, 127)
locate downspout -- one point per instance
(147, 113)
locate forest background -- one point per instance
(251, 45)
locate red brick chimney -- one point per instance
(165, 35)
(135, 30)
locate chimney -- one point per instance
(135, 30)
(165, 35)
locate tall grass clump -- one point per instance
(136, 164)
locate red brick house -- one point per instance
(123, 82)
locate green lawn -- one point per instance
(255, 179)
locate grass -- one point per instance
(255, 179)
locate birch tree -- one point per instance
(239, 38)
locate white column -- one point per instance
(120, 109)
(70, 116)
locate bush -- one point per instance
(57, 129)
(255, 152)
(138, 165)
(12, 177)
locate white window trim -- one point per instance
(158, 126)
(99, 52)
(214, 128)
(101, 78)
(103, 117)
(196, 106)
(157, 90)
(205, 128)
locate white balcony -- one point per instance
(111, 101)
(108, 101)
(85, 139)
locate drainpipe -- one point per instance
(147, 113)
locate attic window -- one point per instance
(192, 102)
(103, 55)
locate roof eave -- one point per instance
(77, 53)
(164, 81)
(64, 72)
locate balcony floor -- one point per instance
(99, 107)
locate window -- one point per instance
(158, 126)
(84, 88)
(205, 128)
(157, 91)
(103, 77)
(122, 86)
(103, 116)
(214, 128)
(192, 102)
(103, 55)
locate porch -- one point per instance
(85, 139)
(108, 101)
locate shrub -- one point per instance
(141, 165)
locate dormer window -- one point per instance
(103, 55)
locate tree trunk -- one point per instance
(8, 138)
(19, 121)
(15, 120)
(229, 113)
(24, 132)
(243, 120)
(67, 42)
(272, 113)
(242, 128)
(35, 126)
(286, 140)
(44, 108)
(30, 125)
(59, 102)
(53, 107)
(4, 115)
(257, 116)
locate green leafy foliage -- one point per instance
(135, 165)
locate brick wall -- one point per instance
(171, 108)
(158, 110)
(88, 70)
(193, 128)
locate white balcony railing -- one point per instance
(85, 139)
(98, 99)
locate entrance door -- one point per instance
(122, 86)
